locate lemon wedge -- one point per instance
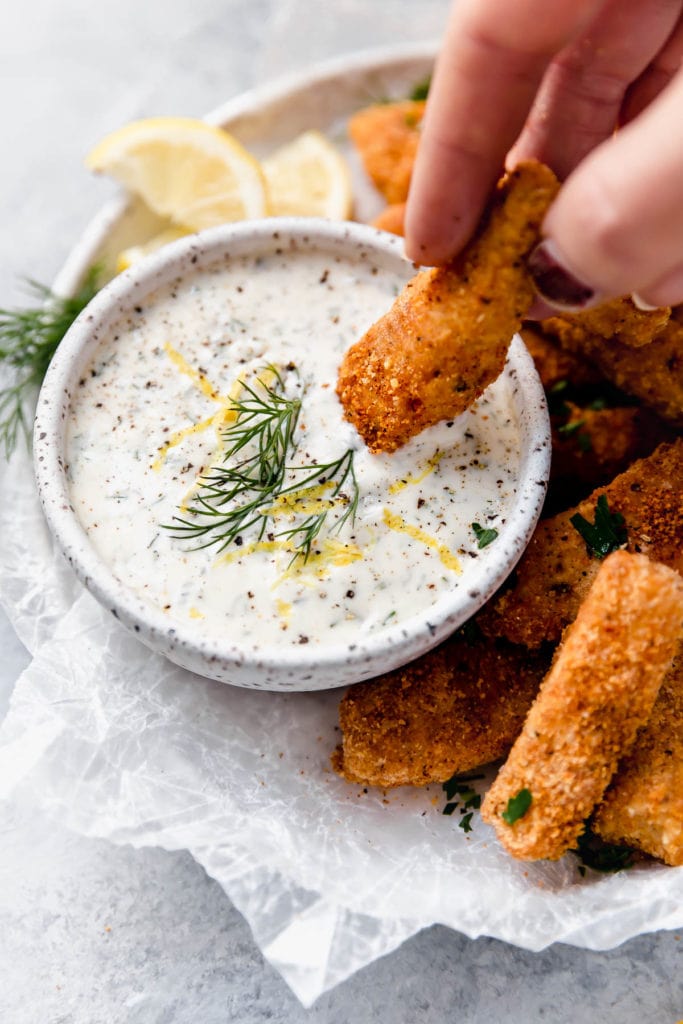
(308, 178)
(194, 174)
(134, 253)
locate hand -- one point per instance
(552, 79)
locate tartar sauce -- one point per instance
(151, 419)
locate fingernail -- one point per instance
(555, 283)
(641, 304)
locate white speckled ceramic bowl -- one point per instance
(223, 657)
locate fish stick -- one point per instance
(391, 219)
(643, 806)
(592, 445)
(446, 337)
(556, 365)
(653, 373)
(386, 136)
(618, 320)
(454, 709)
(553, 576)
(599, 692)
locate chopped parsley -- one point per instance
(484, 536)
(570, 428)
(556, 399)
(608, 532)
(421, 90)
(517, 807)
(459, 793)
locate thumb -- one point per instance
(617, 224)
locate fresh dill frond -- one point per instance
(28, 340)
(254, 485)
(338, 474)
(234, 494)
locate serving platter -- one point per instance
(125, 746)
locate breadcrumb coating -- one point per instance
(454, 709)
(387, 136)
(618, 320)
(654, 373)
(553, 576)
(600, 690)
(643, 806)
(391, 219)
(446, 337)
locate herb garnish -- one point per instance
(606, 534)
(517, 807)
(594, 853)
(459, 792)
(248, 489)
(28, 340)
(484, 536)
(421, 90)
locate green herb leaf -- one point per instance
(517, 807)
(584, 442)
(240, 495)
(464, 822)
(421, 90)
(594, 853)
(484, 536)
(556, 398)
(608, 532)
(598, 404)
(28, 340)
(570, 428)
(449, 808)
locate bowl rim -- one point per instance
(413, 635)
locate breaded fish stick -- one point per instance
(455, 708)
(556, 570)
(643, 806)
(598, 693)
(555, 364)
(653, 373)
(391, 219)
(618, 320)
(446, 337)
(386, 136)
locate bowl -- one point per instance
(137, 410)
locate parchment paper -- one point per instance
(117, 742)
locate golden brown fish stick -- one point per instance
(643, 806)
(446, 337)
(556, 570)
(653, 373)
(455, 708)
(599, 692)
(618, 320)
(386, 136)
(591, 446)
(555, 364)
(391, 219)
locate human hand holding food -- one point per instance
(552, 81)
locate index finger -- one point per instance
(491, 64)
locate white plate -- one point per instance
(263, 119)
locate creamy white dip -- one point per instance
(150, 415)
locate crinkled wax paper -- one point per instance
(119, 743)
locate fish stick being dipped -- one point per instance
(555, 572)
(643, 806)
(600, 690)
(446, 337)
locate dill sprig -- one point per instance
(247, 494)
(28, 340)
(337, 474)
(234, 494)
